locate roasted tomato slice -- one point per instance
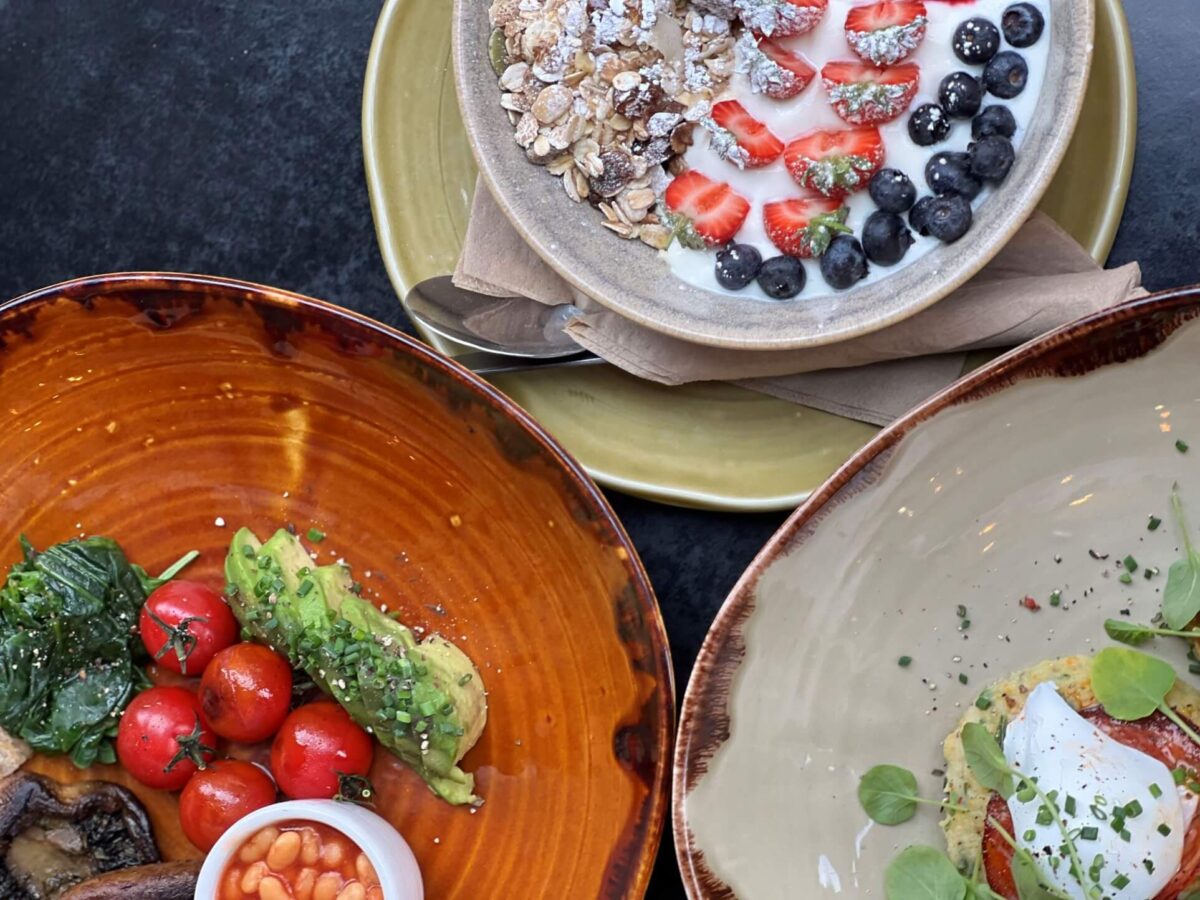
(1156, 736)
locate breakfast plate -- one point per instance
(176, 413)
(706, 445)
(990, 531)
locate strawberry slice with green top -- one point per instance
(781, 18)
(804, 226)
(772, 68)
(704, 213)
(863, 94)
(885, 33)
(740, 138)
(835, 163)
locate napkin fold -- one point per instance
(1041, 279)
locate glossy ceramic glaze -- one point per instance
(706, 445)
(148, 407)
(638, 284)
(995, 490)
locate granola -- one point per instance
(605, 95)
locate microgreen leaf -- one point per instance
(986, 759)
(1134, 633)
(888, 794)
(1130, 685)
(923, 873)
(1181, 596)
(1029, 881)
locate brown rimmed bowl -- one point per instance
(634, 281)
(1035, 474)
(167, 410)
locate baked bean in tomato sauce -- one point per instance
(299, 861)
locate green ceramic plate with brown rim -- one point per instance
(706, 445)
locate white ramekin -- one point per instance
(394, 862)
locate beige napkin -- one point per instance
(1040, 280)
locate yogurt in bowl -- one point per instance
(317, 848)
(811, 111)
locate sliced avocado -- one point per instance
(425, 702)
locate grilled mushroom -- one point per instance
(53, 836)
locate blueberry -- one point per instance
(918, 216)
(843, 264)
(949, 217)
(892, 190)
(960, 94)
(782, 277)
(991, 158)
(737, 266)
(885, 238)
(976, 41)
(950, 173)
(994, 120)
(1006, 74)
(1022, 24)
(928, 125)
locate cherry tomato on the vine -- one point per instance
(316, 748)
(164, 738)
(184, 623)
(215, 798)
(246, 692)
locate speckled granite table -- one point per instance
(222, 136)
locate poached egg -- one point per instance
(1050, 742)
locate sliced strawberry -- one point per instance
(772, 68)
(781, 18)
(704, 212)
(835, 163)
(865, 95)
(885, 33)
(752, 142)
(804, 226)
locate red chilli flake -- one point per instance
(1030, 604)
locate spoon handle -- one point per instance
(482, 363)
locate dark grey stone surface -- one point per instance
(222, 136)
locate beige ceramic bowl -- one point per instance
(635, 282)
(1035, 474)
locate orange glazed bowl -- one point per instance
(165, 411)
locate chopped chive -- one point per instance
(1069, 805)
(427, 708)
(1125, 835)
(1055, 598)
(984, 700)
(1089, 833)
(904, 661)
(1120, 882)
(1026, 794)
(316, 535)
(961, 611)
(1130, 564)
(962, 678)
(1155, 791)
(464, 679)
(1133, 809)
(1181, 445)
(1125, 578)
(305, 586)
(1164, 829)
(1179, 774)
(1153, 524)
(247, 551)
(1149, 864)
(1044, 816)
(964, 624)
(1029, 836)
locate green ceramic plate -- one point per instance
(706, 445)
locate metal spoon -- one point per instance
(508, 334)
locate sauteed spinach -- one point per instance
(69, 651)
